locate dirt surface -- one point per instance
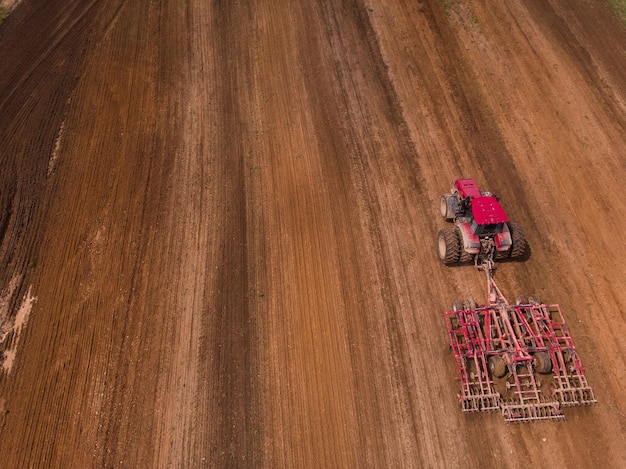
(218, 222)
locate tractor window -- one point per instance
(487, 229)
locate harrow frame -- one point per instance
(524, 343)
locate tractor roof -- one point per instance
(467, 188)
(488, 211)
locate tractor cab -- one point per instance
(481, 226)
(488, 216)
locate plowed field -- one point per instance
(218, 227)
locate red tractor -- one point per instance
(517, 359)
(481, 230)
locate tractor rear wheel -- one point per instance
(518, 241)
(501, 255)
(448, 246)
(464, 256)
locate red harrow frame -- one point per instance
(519, 359)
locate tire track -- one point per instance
(234, 253)
(44, 67)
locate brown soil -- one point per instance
(218, 220)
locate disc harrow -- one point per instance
(517, 359)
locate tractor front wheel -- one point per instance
(448, 206)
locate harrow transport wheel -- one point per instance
(542, 363)
(497, 366)
(448, 246)
(470, 304)
(520, 300)
(534, 300)
(518, 246)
